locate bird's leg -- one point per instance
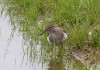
(54, 50)
(60, 53)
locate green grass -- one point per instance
(77, 17)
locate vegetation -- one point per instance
(77, 17)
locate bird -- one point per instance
(56, 35)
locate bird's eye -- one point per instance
(49, 27)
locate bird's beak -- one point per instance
(42, 32)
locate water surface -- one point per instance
(11, 50)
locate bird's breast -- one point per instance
(57, 37)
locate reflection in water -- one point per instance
(11, 53)
(56, 65)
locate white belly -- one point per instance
(65, 36)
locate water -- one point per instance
(11, 53)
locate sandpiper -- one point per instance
(56, 34)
